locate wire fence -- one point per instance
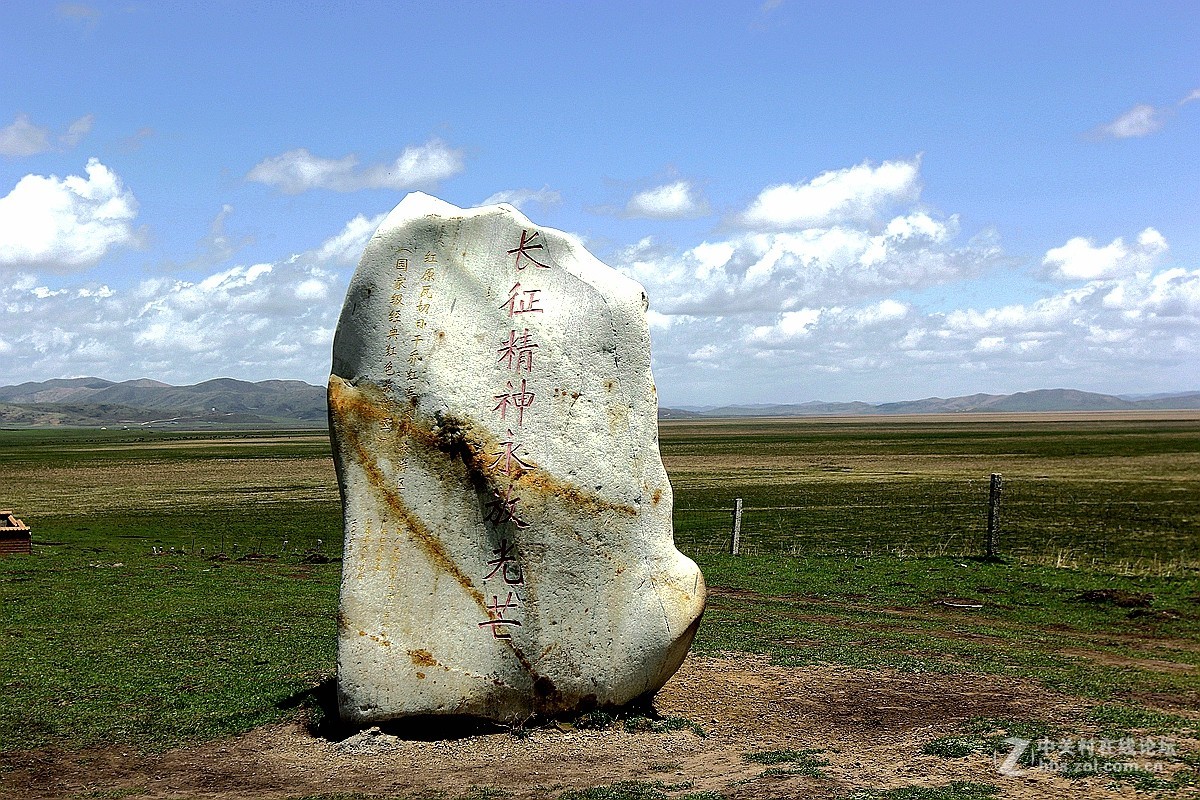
(1100, 524)
(1142, 526)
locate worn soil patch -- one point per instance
(870, 726)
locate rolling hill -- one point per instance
(144, 402)
(95, 402)
(1040, 400)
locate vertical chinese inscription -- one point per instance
(391, 353)
(411, 290)
(515, 349)
(507, 570)
(424, 298)
(387, 433)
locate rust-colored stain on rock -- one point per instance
(453, 436)
(422, 658)
(360, 407)
(350, 407)
(538, 564)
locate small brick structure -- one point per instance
(15, 537)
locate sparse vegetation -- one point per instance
(624, 790)
(1120, 720)
(958, 790)
(789, 762)
(639, 723)
(955, 746)
(1080, 750)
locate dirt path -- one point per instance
(870, 725)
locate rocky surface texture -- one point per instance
(507, 516)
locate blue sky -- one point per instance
(836, 201)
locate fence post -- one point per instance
(991, 546)
(737, 525)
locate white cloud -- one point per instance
(1141, 120)
(254, 322)
(748, 316)
(299, 170)
(989, 344)
(856, 194)
(217, 247)
(1120, 323)
(788, 327)
(886, 310)
(1144, 119)
(787, 271)
(251, 321)
(1079, 259)
(1136, 332)
(676, 200)
(23, 138)
(520, 198)
(312, 289)
(347, 247)
(66, 224)
(789, 316)
(217, 243)
(709, 352)
(835, 325)
(657, 320)
(77, 130)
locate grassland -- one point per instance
(1080, 490)
(106, 635)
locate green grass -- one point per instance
(789, 762)
(643, 724)
(1009, 590)
(955, 746)
(1120, 720)
(958, 790)
(164, 649)
(118, 644)
(52, 447)
(474, 793)
(624, 790)
(987, 736)
(1122, 494)
(640, 790)
(104, 641)
(1032, 621)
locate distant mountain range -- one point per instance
(1021, 402)
(92, 402)
(95, 402)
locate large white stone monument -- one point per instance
(507, 516)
